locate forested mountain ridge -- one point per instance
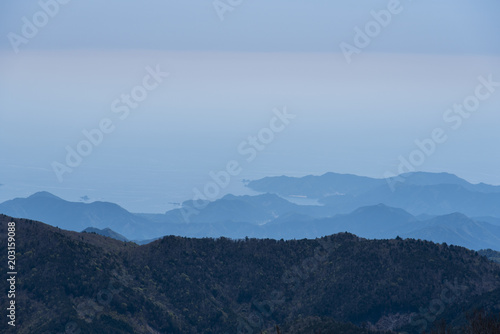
(181, 285)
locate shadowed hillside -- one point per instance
(181, 285)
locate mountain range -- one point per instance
(331, 184)
(88, 283)
(77, 216)
(454, 211)
(418, 193)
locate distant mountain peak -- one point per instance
(44, 194)
(454, 216)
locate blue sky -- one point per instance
(225, 79)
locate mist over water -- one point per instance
(360, 117)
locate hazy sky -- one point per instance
(225, 79)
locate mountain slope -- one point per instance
(378, 221)
(263, 216)
(179, 285)
(257, 210)
(490, 254)
(330, 184)
(418, 193)
(383, 222)
(76, 216)
(106, 233)
(316, 186)
(430, 179)
(375, 222)
(491, 220)
(458, 229)
(438, 199)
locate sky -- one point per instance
(367, 86)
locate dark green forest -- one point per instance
(71, 282)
